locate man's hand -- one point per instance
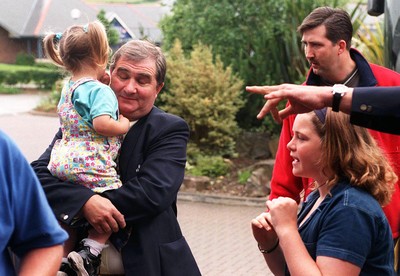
(302, 99)
(103, 215)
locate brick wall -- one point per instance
(10, 47)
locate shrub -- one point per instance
(211, 166)
(25, 59)
(50, 102)
(370, 41)
(9, 90)
(243, 176)
(206, 95)
(22, 74)
(47, 65)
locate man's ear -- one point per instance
(342, 46)
(159, 87)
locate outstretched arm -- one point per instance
(302, 99)
(371, 107)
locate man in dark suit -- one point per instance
(371, 107)
(151, 164)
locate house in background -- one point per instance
(24, 23)
(124, 33)
(140, 19)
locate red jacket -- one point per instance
(284, 183)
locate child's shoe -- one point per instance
(84, 262)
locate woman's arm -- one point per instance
(283, 213)
(268, 243)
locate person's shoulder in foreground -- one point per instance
(27, 222)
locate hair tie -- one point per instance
(85, 28)
(321, 114)
(57, 37)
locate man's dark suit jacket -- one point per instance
(376, 108)
(151, 165)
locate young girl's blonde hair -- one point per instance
(350, 152)
(79, 44)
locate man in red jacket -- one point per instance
(326, 36)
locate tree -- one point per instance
(257, 38)
(206, 95)
(112, 33)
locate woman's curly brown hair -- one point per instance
(350, 151)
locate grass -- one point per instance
(16, 68)
(9, 90)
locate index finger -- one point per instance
(257, 89)
(263, 90)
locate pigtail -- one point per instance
(50, 45)
(99, 46)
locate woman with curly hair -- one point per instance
(341, 228)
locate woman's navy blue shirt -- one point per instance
(349, 225)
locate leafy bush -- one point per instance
(47, 65)
(371, 43)
(25, 59)
(206, 95)
(9, 90)
(19, 74)
(211, 166)
(50, 102)
(244, 176)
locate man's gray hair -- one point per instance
(137, 50)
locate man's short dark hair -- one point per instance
(336, 21)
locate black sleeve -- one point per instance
(376, 108)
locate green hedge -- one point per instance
(20, 74)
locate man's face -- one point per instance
(320, 52)
(134, 83)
